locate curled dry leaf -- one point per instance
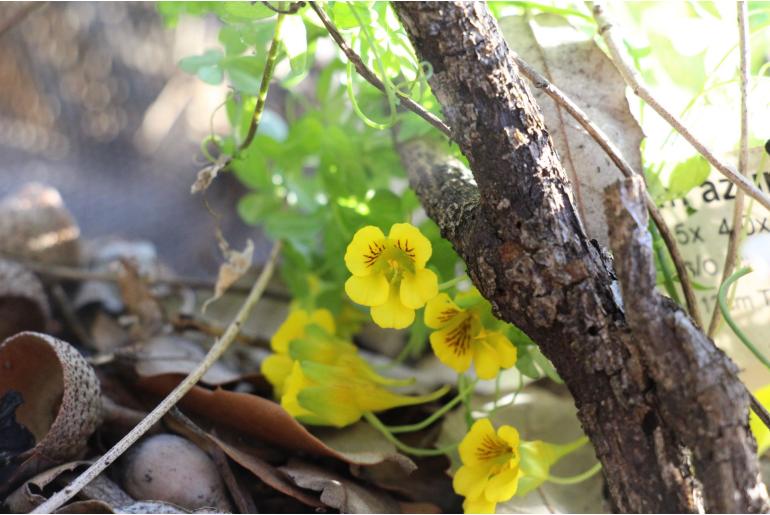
(139, 300)
(104, 255)
(35, 224)
(207, 175)
(29, 495)
(266, 421)
(172, 354)
(23, 304)
(172, 469)
(339, 492)
(236, 264)
(579, 68)
(62, 399)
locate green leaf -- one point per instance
(211, 74)
(243, 11)
(207, 66)
(231, 38)
(245, 73)
(688, 175)
(253, 208)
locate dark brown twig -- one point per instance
(370, 77)
(540, 82)
(293, 8)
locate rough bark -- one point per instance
(514, 223)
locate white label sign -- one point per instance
(702, 237)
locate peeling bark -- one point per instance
(514, 223)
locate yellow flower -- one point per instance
(323, 394)
(761, 432)
(461, 338)
(294, 326)
(389, 273)
(490, 471)
(276, 367)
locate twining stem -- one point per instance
(216, 351)
(435, 416)
(461, 382)
(725, 309)
(382, 428)
(572, 480)
(367, 74)
(267, 76)
(743, 158)
(452, 282)
(632, 78)
(668, 277)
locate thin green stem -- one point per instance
(414, 451)
(389, 89)
(435, 416)
(668, 276)
(452, 282)
(267, 76)
(461, 382)
(725, 309)
(572, 480)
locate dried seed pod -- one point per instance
(23, 304)
(62, 398)
(35, 224)
(172, 469)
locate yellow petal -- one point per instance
(452, 345)
(480, 431)
(485, 360)
(363, 251)
(291, 328)
(506, 351)
(479, 505)
(502, 486)
(408, 238)
(323, 318)
(295, 383)
(370, 290)
(392, 314)
(510, 435)
(761, 432)
(418, 288)
(470, 481)
(276, 368)
(440, 311)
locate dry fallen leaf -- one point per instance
(578, 67)
(62, 399)
(236, 264)
(172, 354)
(338, 492)
(23, 304)
(266, 421)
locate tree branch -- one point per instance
(540, 82)
(743, 158)
(695, 380)
(514, 223)
(632, 79)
